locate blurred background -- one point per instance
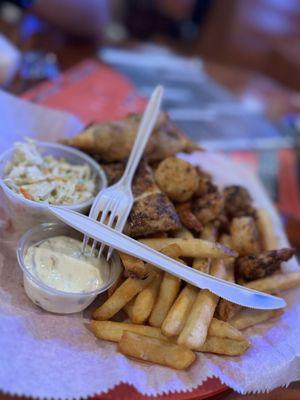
(230, 69)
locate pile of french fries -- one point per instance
(166, 320)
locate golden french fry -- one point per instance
(227, 347)
(266, 231)
(226, 310)
(155, 350)
(113, 287)
(121, 296)
(194, 333)
(195, 248)
(244, 235)
(171, 250)
(134, 266)
(145, 300)
(169, 288)
(177, 315)
(276, 282)
(223, 329)
(113, 331)
(249, 317)
(128, 308)
(202, 264)
(209, 233)
(184, 233)
(225, 240)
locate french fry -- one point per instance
(122, 296)
(155, 350)
(223, 346)
(171, 250)
(209, 233)
(195, 248)
(202, 264)
(113, 331)
(276, 282)
(249, 317)
(195, 330)
(129, 307)
(145, 300)
(266, 231)
(244, 235)
(169, 288)
(115, 285)
(184, 234)
(225, 240)
(177, 315)
(134, 266)
(226, 310)
(223, 329)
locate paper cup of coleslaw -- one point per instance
(25, 208)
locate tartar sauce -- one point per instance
(60, 264)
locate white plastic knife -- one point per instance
(229, 291)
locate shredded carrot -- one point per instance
(80, 187)
(25, 194)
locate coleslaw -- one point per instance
(46, 178)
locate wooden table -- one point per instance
(278, 100)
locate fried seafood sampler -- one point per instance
(112, 141)
(255, 266)
(152, 211)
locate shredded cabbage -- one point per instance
(48, 179)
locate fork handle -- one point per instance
(145, 129)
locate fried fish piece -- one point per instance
(238, 202)
(113, 171)
(112, 141)
(177, 178)
(152, 211)
(255, 266)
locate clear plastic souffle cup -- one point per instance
(48, 298)
(25, 213)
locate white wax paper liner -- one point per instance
(55, 356)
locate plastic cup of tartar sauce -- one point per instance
(25, 213)
(48, 298)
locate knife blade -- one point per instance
(227, 290)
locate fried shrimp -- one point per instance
(238, 202)
(188, 218)
(255, 266)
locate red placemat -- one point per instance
(91, 91)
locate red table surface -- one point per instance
(209, 388)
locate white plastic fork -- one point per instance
(117, 200)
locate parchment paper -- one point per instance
(55, 356)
